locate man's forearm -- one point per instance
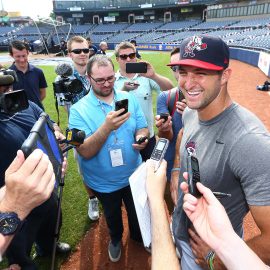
(162, 258)
(261, 246)
(163, 82)
(245, 258)
(4, 243)
(42, 93)
(94, 143)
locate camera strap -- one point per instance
(57, 109)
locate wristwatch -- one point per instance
(9, 223)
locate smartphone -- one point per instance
(141, 140)
(121, 104)
(181, 96)
(140, 67)
(193, 175)
(164, 116)
(159, 151)
(133, 84)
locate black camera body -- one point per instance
(5, 72)
(65, 89)
(264, 87)
(13, 101)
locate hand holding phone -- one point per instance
(180, 96)
(159, 152)
(141, 140)
(121, 104)
(164, 116)
(133, 84)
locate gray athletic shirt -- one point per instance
(233, 150)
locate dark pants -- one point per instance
(111, 203)
(39, 227)
(147, 151)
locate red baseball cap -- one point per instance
(205, 52)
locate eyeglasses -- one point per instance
(174, 68)
(125, 56)
(102, 81)
(79, 51)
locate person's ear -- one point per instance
(226, 74)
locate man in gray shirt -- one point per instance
(231, 145)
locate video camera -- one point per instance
(66, 88)
(11, 101)
(9, 72)
(264, 87)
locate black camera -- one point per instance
(66, 88)
(14, 101)
(10, 72)
(264, 87)
(11, 101)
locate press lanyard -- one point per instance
(105, 114)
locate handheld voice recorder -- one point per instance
(159, 151)
(193, 175)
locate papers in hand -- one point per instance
(137, 184)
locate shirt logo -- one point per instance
(194, 44)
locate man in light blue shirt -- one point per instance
(110, 154)
(140, 86)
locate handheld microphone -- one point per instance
(64, 70)
(6, 80)
(74, 137)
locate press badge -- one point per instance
(117, 154)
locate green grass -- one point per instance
(75, 199)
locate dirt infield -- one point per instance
(92, 251)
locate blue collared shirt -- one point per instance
(89, 114)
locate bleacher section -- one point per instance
(244, 33)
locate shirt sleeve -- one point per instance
(42, 80)
(76, 120)
(249, 160)
(162, 106)
(137, 110)
(154, 86)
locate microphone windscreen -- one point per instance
(6, 80)
(64, 69)
(81, 134)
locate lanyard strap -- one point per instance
(105, 114)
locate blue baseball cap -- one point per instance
(205, 52)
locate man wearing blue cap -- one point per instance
(232, 147)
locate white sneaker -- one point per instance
(93, 210)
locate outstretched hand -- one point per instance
(207, 215)
(29, 183)
(156, 181)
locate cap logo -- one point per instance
(194, 44)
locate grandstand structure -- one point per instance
(153, 23)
